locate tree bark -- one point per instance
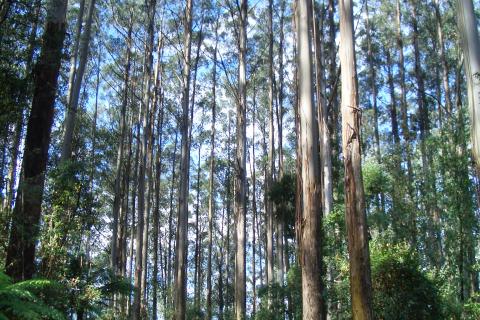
(311, 223)
(240, 169)
(157, 100)
(271, 146)
(405, 125)
(19, 126)
(443, 59)
(467, 25)
(144, 169)
(20, 262)
(211, 184)
(355, 215)
(118, 196)
(77, 83)
(182, 219)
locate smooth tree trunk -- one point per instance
(74, 96)
(355, 214)
(157, 100)
(254, 208)
(443, 58)
(271, 146)
(405, 125)
(240, 169)
(74, 53)
(20, 261)
(182, 217)
(467, 26)
(144, 170)
(322, 109)
(118, 196)
(310, 233)
(211, 183)
(170, 244)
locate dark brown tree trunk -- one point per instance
(20, 262)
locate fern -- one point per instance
(25, 300)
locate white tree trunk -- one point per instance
(471, 51)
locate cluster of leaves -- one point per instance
(278, 300)
(282, 194)
(400, 289)
(31, 299)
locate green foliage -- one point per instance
(376, 179)
(471, 309)
(401, 289)
(29, 300)
(91, 287)
(279, 295)
(282, 194)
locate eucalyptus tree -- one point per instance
(355, 214)
(182, 217)
(310, 233)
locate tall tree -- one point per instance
(20, 262)
(77, 83)
(182, 219)
(355, 215)
(211, 184)
(310, 233)
(144, 168)
(271, 147)
(240, 168)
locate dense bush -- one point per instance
(400, 289)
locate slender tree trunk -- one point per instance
(311, 226)
(77, 83)
(74, 53)
(281, 169)
(405, 126)
(170, 215)
(397, 195)
(157, 100)
(182, 224)
(144, 169)
(134, 199)
(211, 184)
(254, 209)
(326, 149)
(20, 262)
(355, 215)
(229, 207)
(118, 196)
(240, 169)
(443, 59)
(428, 189)
(196, 279)
(373, 84)
(271, 146)
(324, 136)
